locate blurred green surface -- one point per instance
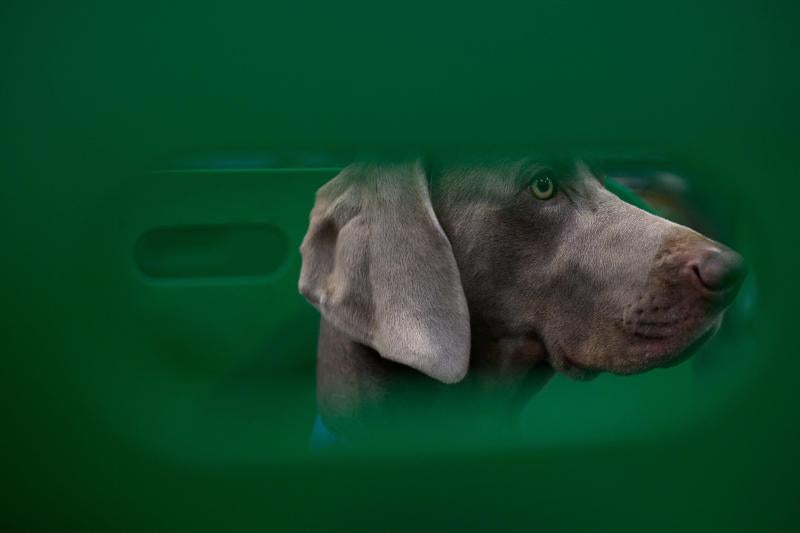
(184, 403)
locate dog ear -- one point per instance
(378, 266)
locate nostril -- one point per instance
(696, 271)
(720, 270)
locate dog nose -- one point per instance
(719, 269)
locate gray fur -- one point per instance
(477, 273)
(378, 266)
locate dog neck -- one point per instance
(360, 393)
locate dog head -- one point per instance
(412, 264)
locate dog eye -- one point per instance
(543, 187)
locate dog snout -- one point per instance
(717, 271)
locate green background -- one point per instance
(152, 384)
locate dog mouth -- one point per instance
(690, 350)
(669, 345)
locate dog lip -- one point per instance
(663, 342)
(663, 349)
(688, 351)
(668, 352)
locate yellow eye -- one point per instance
(543, 188)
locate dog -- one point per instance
(506, 269)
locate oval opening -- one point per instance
(211, 251)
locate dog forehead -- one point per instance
(484, 178)
(499, 178)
